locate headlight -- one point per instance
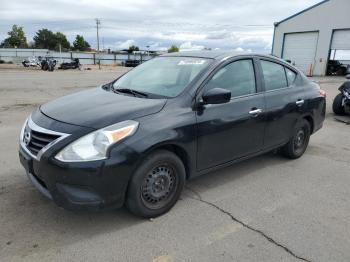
(94, 146)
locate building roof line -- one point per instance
(301, 12)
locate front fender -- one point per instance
(176, 129)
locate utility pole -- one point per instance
(60, 46)
(98, 22)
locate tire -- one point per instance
(297, 145)
(338, 109)
(156, 185)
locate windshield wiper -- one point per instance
(130, 91)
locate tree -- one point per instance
(173, 49)
(133, 48)
(80, 44)
(45, 38)
(61, 39)
(16, 38)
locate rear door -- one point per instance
(234, 129)
(284, 102)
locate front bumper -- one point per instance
(94, 185)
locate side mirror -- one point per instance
(216, 96)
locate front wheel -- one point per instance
(297, 145)
(338, 107)
(156, 185)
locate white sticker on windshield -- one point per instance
(192, 62)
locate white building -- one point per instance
(313, 36)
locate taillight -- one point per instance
(322, 93)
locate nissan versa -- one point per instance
(136, 140)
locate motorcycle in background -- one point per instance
(48, 64)
(341, 103)
(31, 62)
(75, 64)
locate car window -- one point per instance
(163, 76)
(274, 75)
(291, 75)
(238, 77)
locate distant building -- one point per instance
(313, 36)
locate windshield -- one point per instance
(162, 76)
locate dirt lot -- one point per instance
(265, 209)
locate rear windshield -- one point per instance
(163, 76)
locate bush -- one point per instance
(2, 61)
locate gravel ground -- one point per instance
(264, 209)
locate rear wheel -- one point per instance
(156, 185)
(297, 145)
(338, 108)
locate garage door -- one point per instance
(341, 40)
(300, 48)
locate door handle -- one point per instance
(300, 102)
(255, 112)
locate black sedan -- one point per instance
(139, 138)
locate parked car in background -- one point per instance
(31, 62)
(334, 67)
(136, 140)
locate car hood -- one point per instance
(98, 108)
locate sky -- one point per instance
(155, 24)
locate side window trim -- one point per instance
(296, 75)
(259, 78)
(285, 75)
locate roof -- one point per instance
(301, 12)
(217, 55)
(208, 54)
(221, 55)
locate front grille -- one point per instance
(34, 138)
(39, 140)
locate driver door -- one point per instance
(232, 130)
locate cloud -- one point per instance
(217, 35)
(156, 46)
(240, 49)
(125, 45)
(188, 46)
(224, 24)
